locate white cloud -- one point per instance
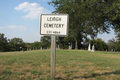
(1, 27)
(34, 10)
(20, 28)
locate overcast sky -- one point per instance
(21, 19)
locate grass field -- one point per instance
(70, 65)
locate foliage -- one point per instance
(114, 45)
(16, 44)
(3, 43)
(36, 45)
(45, 42)
(88, 17)
(99, 44)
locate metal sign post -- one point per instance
(53, 56)
(54, 25)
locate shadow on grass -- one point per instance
(93, 75)
(59, 78)
(117, 72)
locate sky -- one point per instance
(21, 19)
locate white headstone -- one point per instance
(58, 47)
(112, 50)
(69, 48)
(93, 48)
(89, 48)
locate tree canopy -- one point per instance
(3, 43)
(88, 17)
(16, 44)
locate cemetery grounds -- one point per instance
(70, 65)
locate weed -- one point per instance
(33, 72)
(20, 73)
(41, 78)
(73, 71)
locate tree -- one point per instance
(17, 44)
(88, 17)
(45, 41)
(3, 43)
(99, 44)
(36, 45)
(111, 44)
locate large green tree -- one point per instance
(88, 17)
(36, 45)
(17, 44)
(99, 44)
(113, 44)
(3, 43)
(45, 42)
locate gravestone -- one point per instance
(41, 48)
(112, 50)
(93, 48)
(69, 48)
(58, 47)
(89, 49)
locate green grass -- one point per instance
(70, 65)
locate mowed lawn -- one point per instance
(70, 65)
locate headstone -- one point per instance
(89, 49)
(112, 50)
(69, 48)
(58, 47)
(93, 48)
(27, 49)
(41, 48)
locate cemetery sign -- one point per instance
(54, 24)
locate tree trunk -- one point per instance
(76, 47)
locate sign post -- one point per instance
(53, 56)
(54, 25)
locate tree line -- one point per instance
(17, 44)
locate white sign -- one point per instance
(54, 24)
